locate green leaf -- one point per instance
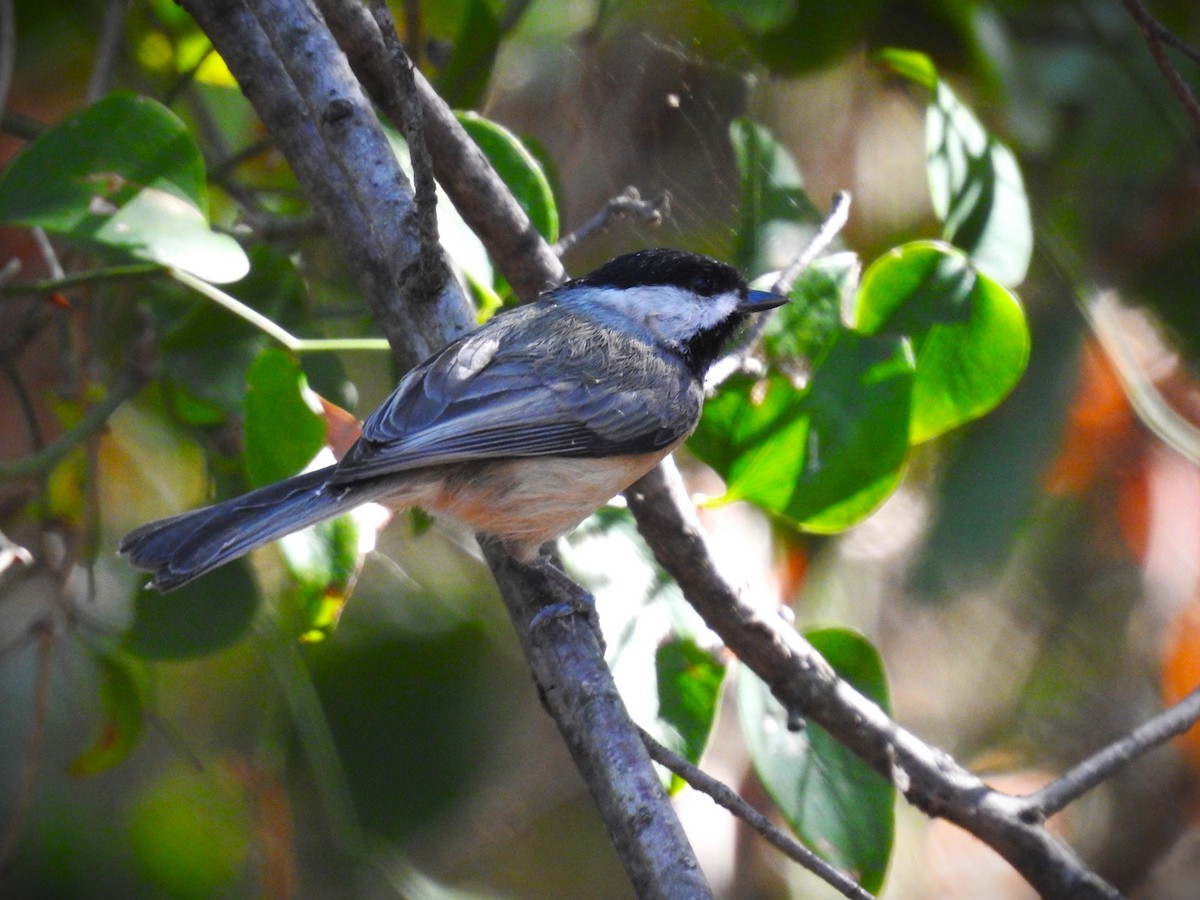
(122, 698)
(974, 180)
(794, 37)
(823, 457)
(830, 798)
(518, 168)
(689, 686)
(774, 213)
(209, 614)
(126, 175)
(323, 561)
(968, 332)
(283, 429)
(911, 64)
(464, 80)
(805, 328)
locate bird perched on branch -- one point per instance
(521, 429)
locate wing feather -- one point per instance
(503, 393)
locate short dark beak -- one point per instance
(760, 301)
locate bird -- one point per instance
(520, 429)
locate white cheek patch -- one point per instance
(672, 314)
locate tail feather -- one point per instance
(186, 546)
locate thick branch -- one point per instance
(301, 86)
(302, 89)
(562, 646)
(477, 192)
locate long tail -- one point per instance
(184, 547)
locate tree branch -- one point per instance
(301, 86)
(134, 376)
(1155, 33)
(1101, 766)
(478, 193)
(723, 796)
(804, 683)
(627, 204)
(339, 166)
(562, 645)
(432, 271)
(298, 81)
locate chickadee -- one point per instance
(521, 429)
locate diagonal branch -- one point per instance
(477, 192)
(291, 70)
(432, 271)
(1103, 765)
(804, 683)
(301, 86)
(1155, 34)
(312, 114)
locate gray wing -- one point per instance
(510, 391)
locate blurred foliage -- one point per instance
(1024, 557)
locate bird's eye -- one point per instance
(703, 285)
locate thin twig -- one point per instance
(28, 410)
(723, 796)
(1153, 31)
(271, 328)
(185, 79)
(1167, 36)
(462, 169)
(226, 166)
(1120, 753)
(831, 227)
(804, 683)
(431, 265)
(627, 204)
(738, 357)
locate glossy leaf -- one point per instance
(775, 216)
(284, 425)
(689, 686)
(122, 699)
(837, 804)
(974, 180)
(823, 457)
(968, 332)
(125, 175)
(464, 80)
(794, 37)
(209, 614)
(805, 328)
(518, 168)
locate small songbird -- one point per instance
(521, 429)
